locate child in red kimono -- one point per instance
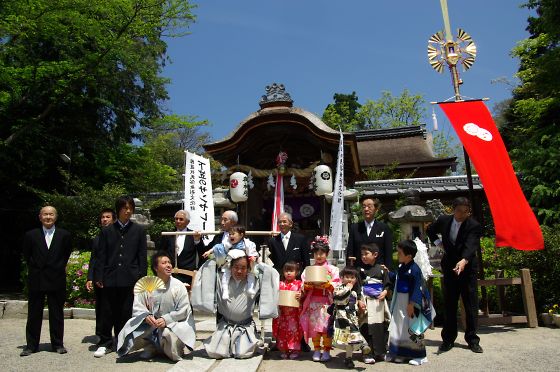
(286, 328)
(314, 318)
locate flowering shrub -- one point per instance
(552, 309)
(76, 278)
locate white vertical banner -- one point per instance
(337, 208)
(198, 199)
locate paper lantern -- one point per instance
(238, 189)
(322, 176)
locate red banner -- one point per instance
(515, 223)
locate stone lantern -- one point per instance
(412, 217)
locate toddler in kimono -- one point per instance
(221, 252)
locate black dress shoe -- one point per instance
(26, 352)
(476, 348)
(61, 350)
(445, 346)
(349, 363)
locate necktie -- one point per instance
(285, 241)
(48, 239)
(453, 232)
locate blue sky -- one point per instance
(318, 48)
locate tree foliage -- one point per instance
(344, 112)
(532, 124)
(79, 78)
(393, 111)
(167, 139)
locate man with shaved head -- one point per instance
(46, 251)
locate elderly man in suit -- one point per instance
(227, 221)
(121, 261)
(288, 245)
(460, 239)
(185, 251)
(46, 251)
(368, 231)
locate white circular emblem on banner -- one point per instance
(475, 130)
(306, 210)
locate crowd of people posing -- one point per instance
(365, 307)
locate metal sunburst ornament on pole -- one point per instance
(443, 49)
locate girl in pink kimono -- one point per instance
(286, 328)
(314, 318)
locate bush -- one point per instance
(544, 266)
(76, 277)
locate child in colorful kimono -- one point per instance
(314, 318)
(375, 286)
(348, 301)
(286, 328)
(236, 241)
(410, 303)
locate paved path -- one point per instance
(505, 349)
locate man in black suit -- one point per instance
(121, 261)
(186, 249)
(368, 231)
(106, 218)
(288, 245)
(460, 238)
(46, 251)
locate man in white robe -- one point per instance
(236, 334)
(168, 326)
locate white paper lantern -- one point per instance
(238, 189)
(322, 176)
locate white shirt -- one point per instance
(369, 225)
(286, 239)
(225, 238)
(455, 226)
(180, 242)
(48, 235)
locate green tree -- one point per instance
(79, 78)
(344, 112)
(532, 124)
(169, 137)
(393, 111)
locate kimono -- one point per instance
(374, 281)
(314, 318)
(409, 288)
(236, 334)
(286, 328)
(346, 324)
(172, 304)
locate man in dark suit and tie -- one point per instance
(368, 231)
(288, 245)
(460, 238)
(186, 249)
(46, 251)
(121, 261)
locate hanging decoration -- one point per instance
(238, 189)
(279, 189)
(322, 176)
(293, 182)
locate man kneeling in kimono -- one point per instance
(236, 334)
(162, 322)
